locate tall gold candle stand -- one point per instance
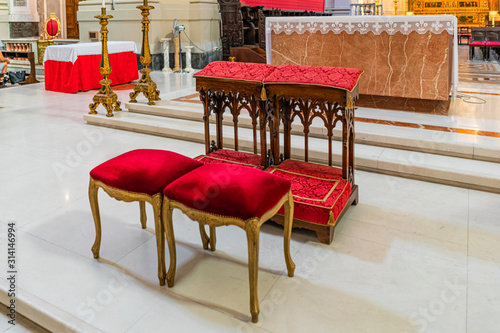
(145, 84)
(395, 7)
(105, 96)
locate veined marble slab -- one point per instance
(401, 57)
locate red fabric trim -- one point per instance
(492, 44)
(229, 190)
(335, 77)
(314, 5)
(231, 157)
(84, 74)
(476, 43)
(317, 190)
(146, 171)
(236, 71)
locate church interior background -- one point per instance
(390, 111)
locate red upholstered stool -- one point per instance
(139, 175)
(226, 194)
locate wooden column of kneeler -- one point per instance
(305, 93)
(235, 87)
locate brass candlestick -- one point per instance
(145, 85)
(105, 96)
(395, 7)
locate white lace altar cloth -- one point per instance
(404, 24)
(70, 52)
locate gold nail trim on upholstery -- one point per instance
(331, 220)
(321, 200)
(229, 161)
(252, 228)
(226, 79)
(316, 84)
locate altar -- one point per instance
(75, 67)
(408, 61)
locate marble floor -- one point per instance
(412, 256)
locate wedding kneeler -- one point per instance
(235, 87)
(322, 194)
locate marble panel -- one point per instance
(409, 66)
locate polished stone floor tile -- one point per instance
(410, 257)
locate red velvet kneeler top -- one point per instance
(334, 77)
(146, 171)
(319, 192)
(228, 190)
(232, 157)
(236, 71)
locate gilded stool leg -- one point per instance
(213, 238)
(160, 237)
(144, 218)
(253, 267)
(169, 230)
(94, 206)
(290, 265)
(204, 236)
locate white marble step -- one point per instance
(462, 172)
(412, 139)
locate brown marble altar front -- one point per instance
(411, 66)
(408, 64)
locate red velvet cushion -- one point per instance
(52, 27)
(231, 156)
(476, 43)
(492, 44)
(318, 190)
(236, 71)
(337, 77)
(146, 171)
(229, 190)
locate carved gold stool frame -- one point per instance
(121, 195)
(146, 85)
(252, 228)
(106, 96)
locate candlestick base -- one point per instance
(146, 86)
(107, 98)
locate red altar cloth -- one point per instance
(84, 74)
(313, 5)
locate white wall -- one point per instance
(200, 17)
(4, 19)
